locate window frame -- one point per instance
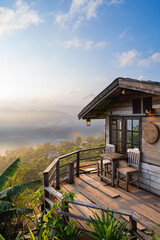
(124, 131)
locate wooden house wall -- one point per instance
(150, 171)
(124, 104)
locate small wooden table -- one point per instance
(114, 158)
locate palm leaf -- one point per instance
(1, 238)
(31, 234)
(4, 205)
(9, 172)
(16, 189)
(3, 180)
(14, 211)
(18, 236)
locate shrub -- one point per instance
(108, 227)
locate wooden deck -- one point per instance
(89, 188)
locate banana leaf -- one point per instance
(12, 212)
(16, 189)
(9, 172)
(4, 205)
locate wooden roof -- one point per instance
(97, 107)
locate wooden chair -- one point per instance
(110, 148)
(130, 174)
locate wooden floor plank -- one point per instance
(102, 200)
(136, 205)
(99, 186)
(142, 196)
(89, 188)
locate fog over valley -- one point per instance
(29, 127)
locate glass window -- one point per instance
(135, 125)
(119, 124)
(114, 124)
(129, 124)
(132, 133)
(119, 135)
(125, 133)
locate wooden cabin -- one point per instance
(131, 109)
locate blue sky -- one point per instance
(56, 55)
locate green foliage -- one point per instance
(156, 236)
(1, 238)
(108, 227)
(31, 167)
(9, 172)
(55, 224)
(67, 195)
(7, 207)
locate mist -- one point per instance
(30, 127)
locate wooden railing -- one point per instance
(58, 170)
(132, 218)
(63, 167)
(54, 175)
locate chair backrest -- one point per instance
(110, 148)
(134, 158)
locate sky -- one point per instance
(57, 55)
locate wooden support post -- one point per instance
(46, 194)
(77, 172)
(134, 227)
(57, 175)
(70, 169)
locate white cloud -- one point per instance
(133, 56)
(123, 34)
(155, 58)
(102, 79)
(84, 44)
(88, 45)
(19, 18)
(72, 91)
(75, 43)
(79, 11)
(141, 77)
(128, 58)
(101, 44)
(144, 62)
(114, 2)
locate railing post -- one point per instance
(70, 170)
(46, 194)
(134, 227)
(77, 171)
(57, 175)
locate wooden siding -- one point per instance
(150, 166)
(124, 104)
(151, 152)
(150, 178)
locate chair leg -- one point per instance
(105, 169)
(138, 181)
(97, 168)
(117, 179)
(127, 179)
